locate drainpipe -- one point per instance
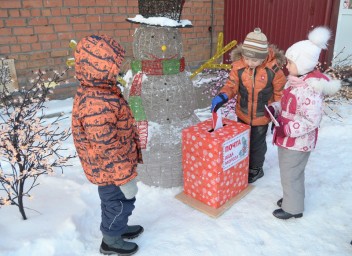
(210, 29)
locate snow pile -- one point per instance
(64, 215)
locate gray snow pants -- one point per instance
(292, 165)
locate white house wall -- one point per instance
(343, 39)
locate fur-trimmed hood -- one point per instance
(320, 82)
(274, 54)
(326, 87)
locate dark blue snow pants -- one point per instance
(257, 145)
(115, 210)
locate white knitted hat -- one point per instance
(305, 54)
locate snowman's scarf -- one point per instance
(135, 102)
(159, 67)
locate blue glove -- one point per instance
(218, 101)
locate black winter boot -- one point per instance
(281, 214)
(116, 245)
(132, 232)
(255, 173)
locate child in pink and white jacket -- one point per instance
(299, 114)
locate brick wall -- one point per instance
(36, 33)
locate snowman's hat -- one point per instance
(161, 13)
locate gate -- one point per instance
(284, 22)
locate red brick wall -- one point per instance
(36, 33)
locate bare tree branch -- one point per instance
(30, 144)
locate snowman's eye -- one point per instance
(152, 36)
(174, 37)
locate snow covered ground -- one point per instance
(64, 216)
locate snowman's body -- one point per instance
(168, 99)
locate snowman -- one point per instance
(161, 96)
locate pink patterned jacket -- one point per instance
(301, 109)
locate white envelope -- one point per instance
(217, 120)
(276, 123)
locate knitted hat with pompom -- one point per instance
(305, 54)
(255, 45)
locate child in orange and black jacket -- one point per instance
(257, 80)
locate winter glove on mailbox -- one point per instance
(218, 101)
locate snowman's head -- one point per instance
(151, 42)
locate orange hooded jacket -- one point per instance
(103, 128)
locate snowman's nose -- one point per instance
(163, 48)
